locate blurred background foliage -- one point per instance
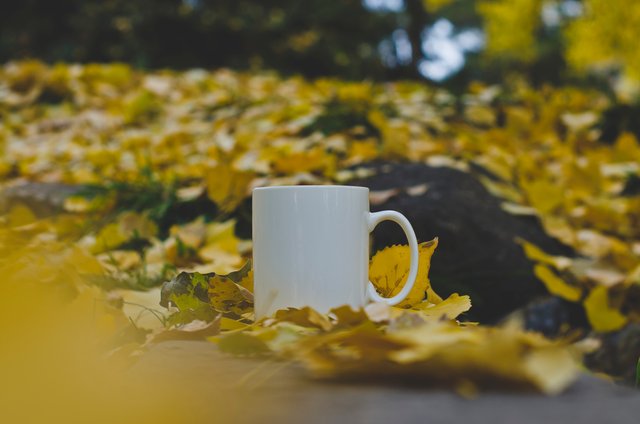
(450, 42)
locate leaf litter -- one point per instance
(161, 142)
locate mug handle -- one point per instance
(376, 218)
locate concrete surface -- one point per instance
(236, 390)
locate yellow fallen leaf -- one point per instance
(480, 115)
(228, 324)
(348, 317)
(217, 260)
(120, 260)
(227, 296)
(389, 268)
(448, 309)
(77, 204)
(191, 234)
(83, 262)
(432, 296)
(395, 134)
(605, 277)
(247, 281)
(536, 254)
(20, 215)
(551, 369)
(442, 353)
(627, 148)
(557, 285)
(304, 317)
(559, 228)
(417, 190)
(227, 187)
(129, 225)
(360, 151)
(501, 189)
(381, 196)
(108, 238)
(544, 196)
(137, 225)
(379, 312)
(195, 330)
(290, 162)
(143, 307)
(601, 315)
(282, 337)
(518, 210)
(187, 194)
(222, 235)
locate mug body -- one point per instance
(310, 247)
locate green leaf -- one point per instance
(190, 309)
(191, 284)
(188, 292)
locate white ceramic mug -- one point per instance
(311, 248)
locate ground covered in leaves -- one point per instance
(156, 165)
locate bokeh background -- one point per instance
(449, 42)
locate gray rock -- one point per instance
(44, 199)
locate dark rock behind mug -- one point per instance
(477, 253)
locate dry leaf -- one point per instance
(557, 285)
(227, 187)
(305, 317)
(601, 315)
(417, 190)
(443, 353)
(227, 296)
(348, 317)
(195, 330)
(389, 268)
(518, 210)
(534, 253)
(380, 197)
(448, 309)
(191, 234)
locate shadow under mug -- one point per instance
(311, 248)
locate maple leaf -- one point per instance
(389, 268)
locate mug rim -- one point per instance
(310, 187)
